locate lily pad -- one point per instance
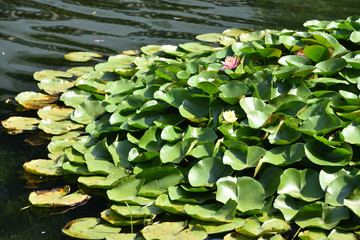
(213, 227)
(246, 191)
(137, 212)
(58, 128)
(55, 86)
(105, 182)
(18, 124)
(173, 230)
(213, 212)
(81, 56)
(301, 184)
(55, 113)
(57, 197)
(89, 228)
(44, 167)
(33, 100)
(50, 74)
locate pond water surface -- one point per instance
(35, 34)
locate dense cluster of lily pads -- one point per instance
(245, 135)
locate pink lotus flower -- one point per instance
(230, 63)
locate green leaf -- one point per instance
(55, 86)
(87, 111)
(340, 188)
(158, 179)
(196, 47)
(171, 134)
(288, 206)
(89, 228)
(58, 128)
(233, 91)
(207, 171)
(270, 52)
(209, 37)
(270, 180)
(330, 67)
(34, 100)
(175, 152)
(117, 220)
(328, 174)
(120, 86)
(301, 184)
(317, 53)
(241, 156)
(294, 60)
(73, 98)
(195, 108)
(213, 227)
(177, 193)
(324, 155)
(336, 234)
(107, 182)
(50, 74)
(320, 124)
(136, 212)
(313, 234)
(213, 212)
(319, 215)
(126, 189)
(173, 230)
(352, 201)
(81, 56)
(44, 167)
(119, 151)
(284, 155)
(57, 197)
(19, 124)
(246, 191)
(174, 207)
(54, 113)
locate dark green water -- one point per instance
(35, 34)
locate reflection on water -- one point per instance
(35, 34)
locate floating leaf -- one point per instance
(89, 228)
(340, 188)
(44, 167)
(55, 113)
(246, 191)
(324, 155)
(207, 171)
(127, 188)
(320, 216)
(213, 227)
(330, 67)
(173, 230)
(301, 184)
(87, 111)
(81, 56)
(57, 197)
(285, 155)
(317, 53)
(105, 182)
(33, 100)
(73, 98)
(19, 124)
(137, 212)
(213, 212)
(50, 74)
(55, 86)
(57, 128)
(241, 156)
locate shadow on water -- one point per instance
(35, 34)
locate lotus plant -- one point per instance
(230, 63)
